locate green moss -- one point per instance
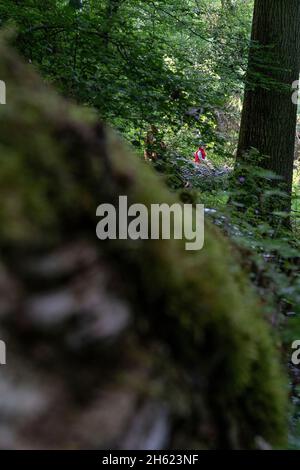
(57, 165)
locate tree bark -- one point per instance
(269, 115)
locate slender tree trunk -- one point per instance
(111, 11)
(269, 115)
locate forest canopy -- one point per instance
(140, 63)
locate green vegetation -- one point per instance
(166, 76)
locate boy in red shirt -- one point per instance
(200, 155)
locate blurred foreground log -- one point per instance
(119, 344)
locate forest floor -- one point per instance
(269, 257)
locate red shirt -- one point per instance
(200, 155)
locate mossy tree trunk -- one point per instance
(109, 341)
(269, 115)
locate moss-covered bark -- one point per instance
(191, 347)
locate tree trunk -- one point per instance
(269, 115)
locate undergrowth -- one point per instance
(268, 246)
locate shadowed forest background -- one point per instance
(123, 344)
